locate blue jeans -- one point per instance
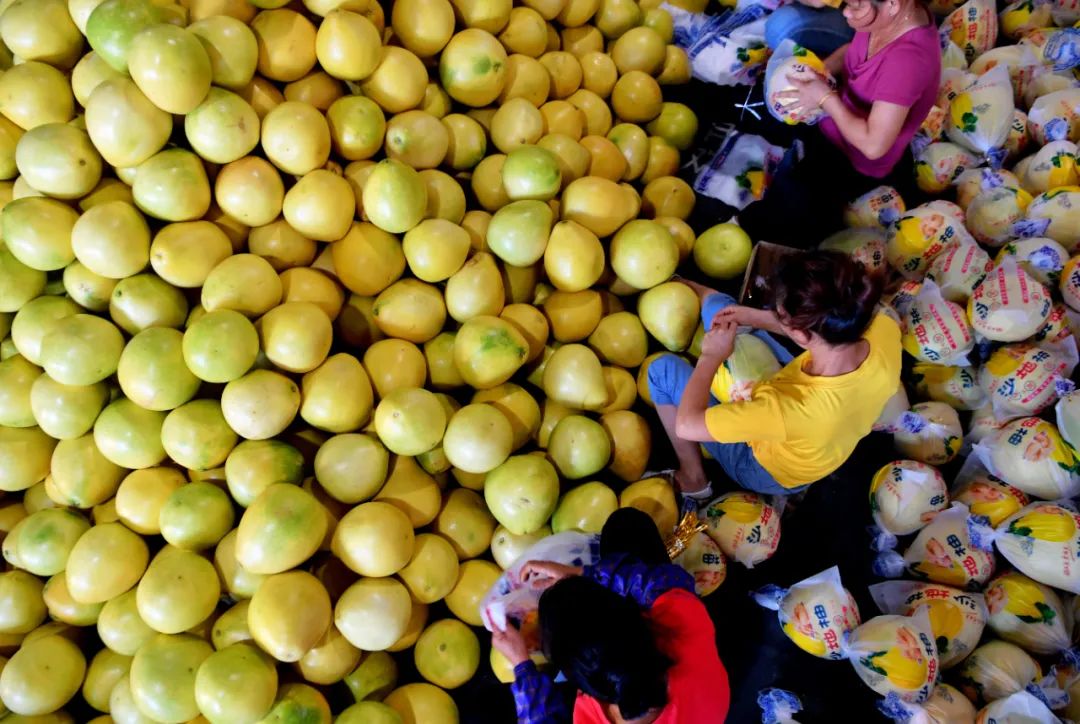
(668, 377)
(821, 30)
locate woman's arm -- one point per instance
(535, 697)
(835, 62)
(715, 348)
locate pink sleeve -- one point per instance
(903, 76)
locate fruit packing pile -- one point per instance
(305, 309)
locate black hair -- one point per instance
(827, 293)
(602, 642)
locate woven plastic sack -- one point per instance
(1051, 167)
(815, 613)
(995, 670)
(751, 361)
(895, 406)
(704, 560)
(1030, 454)
(1040, 257)
(895, 655)
(973, 27)
(745, 526)
(959, 268)
(1022, 707)
(1053, 117)
(974, 181)
(905, 495)
(942, 552)
(987, 495)
(930, 432)
(778, 706)
(1024, 379)
(992, 215)
(1009, 305)
(1069, 283)
(937, 330)
(726, 48)
(1042, 541)
(1019, 137)
(1019, 62)
(957, 618)
(865, 245)
(921, 234)
(1055, 214)
(878, 208)
(791, 60)
(981, 114)
(1027, 613)
(957, 387)
(940, 163)
(1022, 16)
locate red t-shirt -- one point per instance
(906, 72)
(698, 691)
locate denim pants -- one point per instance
(668, 377)
(821, 30)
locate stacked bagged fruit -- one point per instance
(313, 318)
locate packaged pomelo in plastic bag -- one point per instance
(974, 181)
(1046, 83)
(778, 706)
(931, 130)
(745, 526)
(959, 268)
(703, 559)
(877, 208)
(957, 618)
(957, 387)
(1019, 62)
(929, 432)
(1056, 331)
(973, 27)
(865, 245)
(940, 163)
(1040, 257)
(815, 613)
(981, 114)
(982, 425)
(985, 494)
(1022, 16)
(726, 49)
(895, 655)
(1022, 707)
(946, 705)
(942, 552)
(1041, 541)
(1023, 379)
(905, 495)
(1069, 283)
(902, 297)
(1019, 137)
(1054, 116)
(953, 80)
(992, 215)
(937, 330)
(794, 61)
(751, 361)
(994, 671)
(895, 406)
(1030, 454)
(1067, 414)
(921, 234)
(1009, 305)
(1027, 613)
(1055, 214)
(1051, 167)
(1064, 12)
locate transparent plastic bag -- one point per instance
(981, 114)
(937, 330)
(974, 181)
(946, 705)
(1051, 167)
(745, 525)
(895, 655)
(996, 670)
(1055, 214)
(993, 214)
(1052, 117)
(1009, 305)
(1042, 542)
(740, 172)
(1027, 613)
(751, 361)
(930, 432)
(973, 27)
(1030, 454)
(957, 387)
(921, 234)
(1022, 707)
(1024, 379)
(1042, 258)
(726, 49)
(1019, 62)
(814, 613)
(940, 163)
(878, 208)
(791, 59)
(778, 706)
(957, 618)
(942, 552)
(984, 494)
(960, 268)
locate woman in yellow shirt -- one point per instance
(802, 424)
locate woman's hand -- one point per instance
(807, 93)
(719, 341)
(511, 644)
(544, 574)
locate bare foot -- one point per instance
(700, 289)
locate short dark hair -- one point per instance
(604, 645)
(827, 293)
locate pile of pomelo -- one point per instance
(308, 315)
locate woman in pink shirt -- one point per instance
(888, 78)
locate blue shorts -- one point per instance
(821, 30)
(668, 377)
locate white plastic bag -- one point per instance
(1030, 454)
(815, 613)
(937, 330)
(895, 655)
(973, 27)
(980, 115)
(740, 172)
(996, 670)
(1009, 305)
(929, 432)
(985, 494)
(745, 525)
(1042, 542)
(1019, 708)
(957, 618)
(778, 706)
(791, 59)
(878, 208)
(957, 387)
(1024, 379)
(960, 268)
(1027, 613)
(942, 552)
(1040, 257)
(726, 49)
(946, 705)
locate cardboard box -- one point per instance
(764, 263)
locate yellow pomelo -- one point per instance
(531, 172)
(286, 41)
(337, 395)
(472, 67)
(564, 118)
(250, 190)
(129, 436)
(369, 712)
(24, 610)
(243, 283)
(517, 406)
(273, 619)
(81, 350)
(595, 110)
(347, 45)
(317, 88)
(656, 498)
(667, 196)
(197, 516)
(466, 523)
(171, 67)
(579, 447)
(640, 49)
(487, 183)
(525, 33)
(507, 547)
(302, 284)
(394, 364)
(423, 26)
(399, 82)
(16, 377)
(239, 582)
(574, 257)
(573, 377)
(221, 346)
(488, 351)
(320, 206)
(368, 259)
(644, 254)
(436, 101)
(144, 301)
(476, 289)
(41, 30)
(478, 438)
(41, 544)
(412, 491)
(433, 569)
(518, 232)
(254, 465)
(439, 353)
(106, 561)
(435, 249)
(581, 39)
(231, 46)
(59, 160)
(105, 670)
(33, 94)
(447, 653)
(573, 158)
(417, 139)
(330, 660)
(172, 185)
(475, 579)
(42, 676)
(723, 251)
(299, 701)
(281, 529)
(183, 254)
(223, 128)
(526, 79)
(236, 684)
(141, 496)
(24, 454)
(596, 203)
(394, 197)
(669, 312)
(374, 539)
(410, 309)
(37, 232)
(573, 315)
(373, 613)
(357, 127)
(410, 421)
(423, 704)
(261, 404)
(445, 196)
(663, 160)
(466, 141)
(197, 436)
(631, 443)
(605, 159)
(531, 323)
(517, 122)
(179, 590)
(90, 72)
(296, 137)
(262, 95)
(296, 336)
(585, 508)
(120, 627)
(565, 70)
(522, 493)
(620, 339)
(162, 677)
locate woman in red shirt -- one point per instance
(628, 632)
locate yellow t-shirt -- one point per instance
(803, 427)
